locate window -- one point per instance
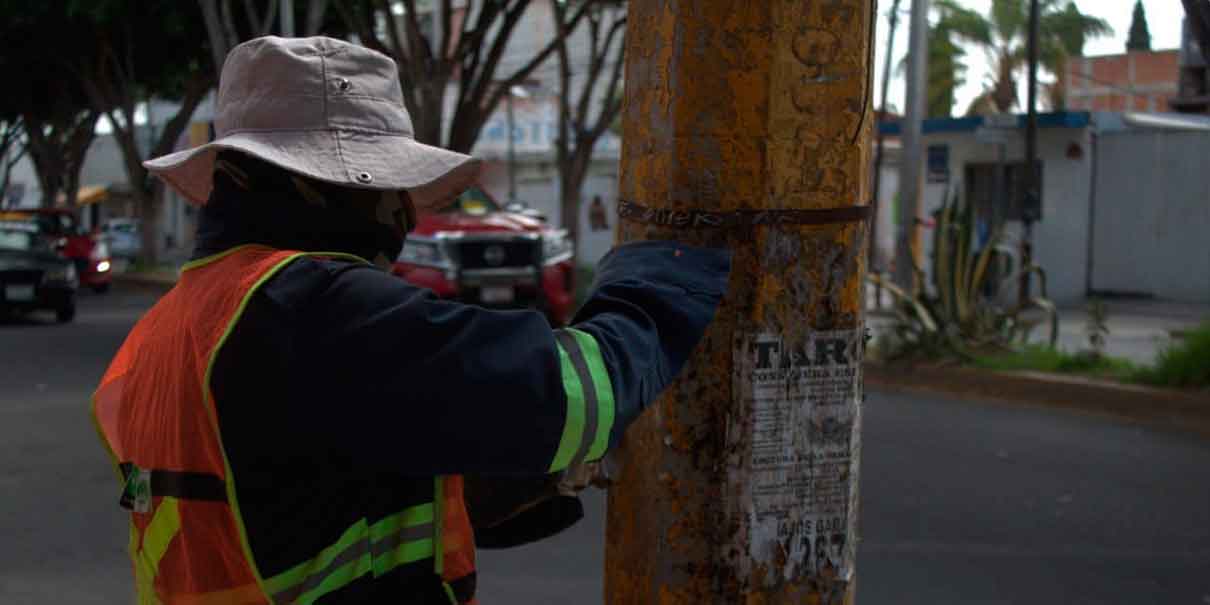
(997, 190)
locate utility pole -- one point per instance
(907, 244)
(875, 261)
(1031, 205)
(746, 126)
(512, 148)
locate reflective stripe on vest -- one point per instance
(160, 378)
(590, 405)
(401, 538)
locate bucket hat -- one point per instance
(323, 108)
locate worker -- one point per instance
(292, 424)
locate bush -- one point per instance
(1183, 364)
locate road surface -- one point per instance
(962, 502)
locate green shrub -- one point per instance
(1039, 358)
(1183, 364)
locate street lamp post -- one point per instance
(521, 93)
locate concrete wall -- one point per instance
(1060, 237)
(1153, 215)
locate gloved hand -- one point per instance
(512, 511)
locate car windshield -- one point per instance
(11, 239)
(473, 201)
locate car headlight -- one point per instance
(63, 274)
(556, 246)
(424, 252)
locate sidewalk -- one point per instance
(1138, 329)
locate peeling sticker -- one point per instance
(795, 486)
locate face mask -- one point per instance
(395, 210)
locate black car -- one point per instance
(33, 276)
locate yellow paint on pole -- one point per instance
(746, 126)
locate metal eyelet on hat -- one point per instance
(365, 177)
(343, 84)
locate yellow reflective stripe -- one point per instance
(404, 537)
(163, 528)
(573, 425)
(603, 386)
(206, 260)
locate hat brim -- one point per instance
(432, 176)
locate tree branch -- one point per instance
(315, 16)
(447, 27)
(229, 25)
(417, 42)
(525, 70)
(214, 30)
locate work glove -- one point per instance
(512, 511)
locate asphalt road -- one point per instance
(962, 502)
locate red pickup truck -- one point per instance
(477, 252)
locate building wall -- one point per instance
(1153, 215)
(1137, 81)
(1060, 237)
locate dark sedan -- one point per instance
(33, 276)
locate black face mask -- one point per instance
(255, 202)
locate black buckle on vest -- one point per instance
(179, 484)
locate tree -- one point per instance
(1003, 33)
(1140, 36)
(451, 46)
(225, 31)
(946, 60)
(139, 51)
(12, 149)
(57, 124)
(586, 112)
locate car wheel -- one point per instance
(66, 313)
(101, 288)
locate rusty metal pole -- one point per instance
(746, 126)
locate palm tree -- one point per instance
(1062, 32)
(946, 67)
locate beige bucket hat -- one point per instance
(323, 108)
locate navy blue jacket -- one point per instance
(341, 382)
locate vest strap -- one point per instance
(181, 485)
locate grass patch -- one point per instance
(1046, 359)
(1184, 364)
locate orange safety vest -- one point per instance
(155, 412)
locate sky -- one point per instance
(1163, 20)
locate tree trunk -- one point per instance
(149, 204)
(571, 183)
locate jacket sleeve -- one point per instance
(418, 385)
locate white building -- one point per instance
(1125, 197)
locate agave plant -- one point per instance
(961, 311)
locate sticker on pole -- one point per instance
(797, 445)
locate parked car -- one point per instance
(32, 275)
(477, 252)
(124, 238)
(59, 227)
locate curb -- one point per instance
(1162, 408)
